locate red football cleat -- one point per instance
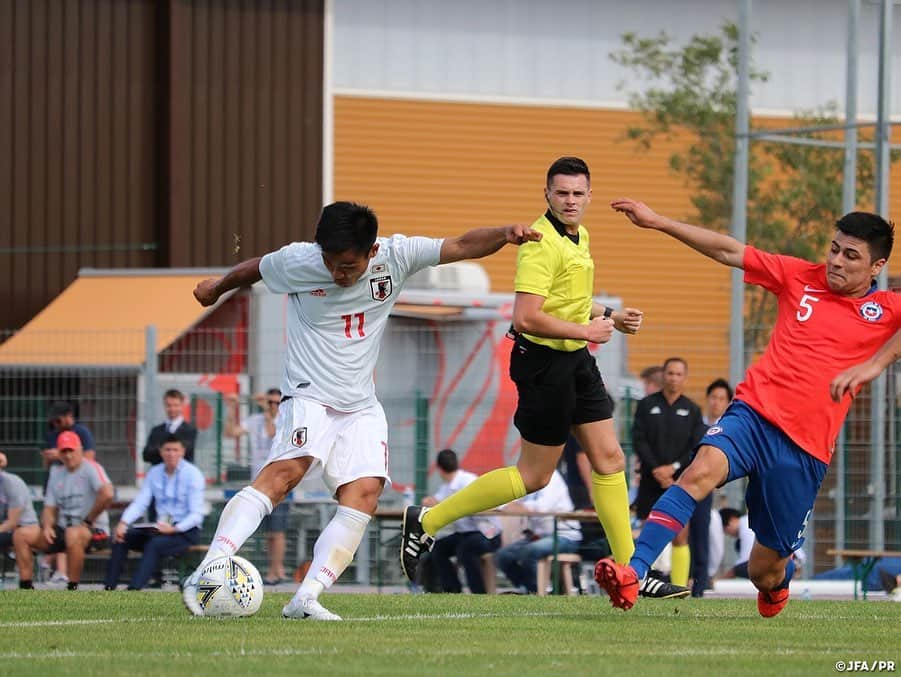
(620, 581)
(771, 603)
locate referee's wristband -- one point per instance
(608, 311)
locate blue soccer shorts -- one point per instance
(783, 479)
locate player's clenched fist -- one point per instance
(518, 233)
(205, 292)
(600, 329)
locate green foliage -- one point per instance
(794, 191)
(149, 633)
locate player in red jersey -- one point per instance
(780, 430)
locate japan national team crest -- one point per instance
(381, 287)
(299, 437)
(871, 311)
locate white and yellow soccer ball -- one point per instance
(229, 586)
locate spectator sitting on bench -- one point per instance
(16, 508)
(74, 519)
(467, 539)
(176, 485)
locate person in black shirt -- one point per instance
(665, 430)
(175, 424)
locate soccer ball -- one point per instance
(229, 586)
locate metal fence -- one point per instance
(441, 386)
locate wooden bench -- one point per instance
(862, 563)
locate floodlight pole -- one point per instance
(738, 227)
(849, 200)
(878, 400)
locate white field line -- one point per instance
(361, 619)
(445, 616)
(725, 650)
(44, 624)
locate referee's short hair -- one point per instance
(568, 166)
(346, 226)
(447, 460)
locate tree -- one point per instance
(794, 191)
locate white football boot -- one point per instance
(307, 607)
(189, 593)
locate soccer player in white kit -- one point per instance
(341, 290)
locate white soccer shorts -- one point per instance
(346, 446)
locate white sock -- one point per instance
(240, 518)
(333, 551)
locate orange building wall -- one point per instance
(438, 168)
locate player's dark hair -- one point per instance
(274, 391)
(878, 233)
(729, 514)
(668, 360)
(568, 166)
(720, 383)
(346, 226)
(447, 460)
(172, 392)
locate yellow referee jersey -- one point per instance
(563, 273)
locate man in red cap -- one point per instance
(74, 518)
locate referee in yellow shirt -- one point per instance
(559, 385)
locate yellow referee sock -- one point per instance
(611, 500)
(488, 491)
(678, 575)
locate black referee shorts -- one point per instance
(556, 389)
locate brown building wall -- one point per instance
(77, 125)
(245, 152)
(140, 133)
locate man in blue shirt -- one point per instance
(176, 485)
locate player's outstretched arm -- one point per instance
(850, 380)
(208, 291)
(719, 247)
(481, 242)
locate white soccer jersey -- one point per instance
(334, 332)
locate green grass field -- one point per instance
(126, 633)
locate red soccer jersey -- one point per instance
(818, 334)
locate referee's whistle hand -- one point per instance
(600, 329)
